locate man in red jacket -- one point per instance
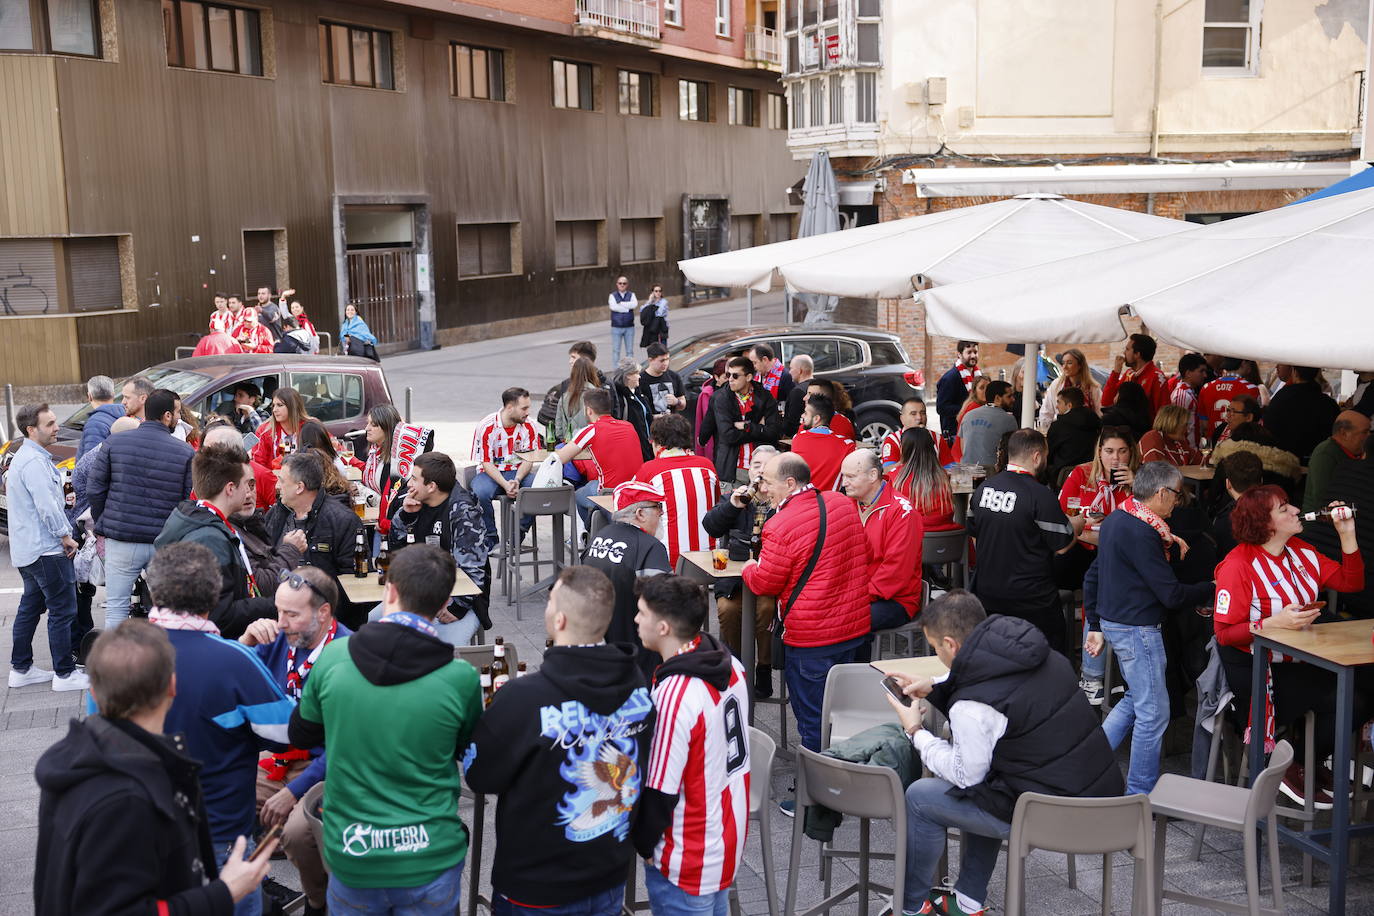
(828, 623)
(822, 447)
(1139, 367)
(894, 531)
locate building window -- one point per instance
(639, 240)
(817, 102)
(487, 250)
(741, 104)
(866, 98)
(693, 100)
(478, 73)
(797, 107)
(50, 26)
(88, 268)
(208, 36)
(723, 18)
(779, 227)
(354, 56)
(836, 99)
(574, 85)
(777, 111)
(743, 232)
(636, 92)
(263, 251)
(577, 243)
(1230, 36)
(672, 12)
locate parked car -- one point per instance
(872, 365)
(338, 391)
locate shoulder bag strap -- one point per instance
(811, 563)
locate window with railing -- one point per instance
(836, 99)
(353, 55)
(763, 44)
(797, 106)
(51, 26)
(777, 111)
(817, 93)
(742, 106)
(637, 93)
(574, 85)
(830, 34)
(693, 100)
(634, 17)
(1231, 37)
(477, 73)
(208, 36)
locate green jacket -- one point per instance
(881, 746)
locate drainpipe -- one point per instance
(1159, 63)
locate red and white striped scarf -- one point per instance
(295, 678)
(967, 374)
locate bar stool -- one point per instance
(555, 502)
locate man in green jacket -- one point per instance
(1349, 435)
(395, 710)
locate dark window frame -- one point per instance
(704, 103)
(330, 67)
(645, 91)
(777, 111)
(742, 106)
(512, 261)
(175, 29)
(40, 32)
(495, 66)
(586, 76)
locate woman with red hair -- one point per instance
(1269, 581)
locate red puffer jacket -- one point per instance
(833, 607)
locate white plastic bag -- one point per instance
(550, 473)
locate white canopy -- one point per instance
(1293, 285)
(883, 261)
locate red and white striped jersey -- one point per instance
(1217, 394)
(498, 444)
(701, 754)
(690, 489)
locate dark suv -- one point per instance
(871, 364)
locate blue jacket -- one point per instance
(357, 329)
(136, 482)
(1131, 581)
(37, 511)
(273, 655)
(97, 428)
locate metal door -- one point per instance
(381, 284)
(706, 230)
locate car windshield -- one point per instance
(182, 381)
(682, 355)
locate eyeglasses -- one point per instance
(1177, 493)
(621, 283)
(1238, 410)
(297, 582)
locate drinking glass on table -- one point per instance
(1075, 504)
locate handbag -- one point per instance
(780, 622)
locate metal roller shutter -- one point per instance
(93, 269)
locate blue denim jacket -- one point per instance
(37, 511)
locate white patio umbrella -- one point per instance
(820, 216)
(1292, 285)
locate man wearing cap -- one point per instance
(627, 550)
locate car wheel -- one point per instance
(874, 425)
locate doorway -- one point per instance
(705, 230)
(382, 267)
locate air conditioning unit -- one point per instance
(937, 90)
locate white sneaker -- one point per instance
(35, 675)
(77, 680)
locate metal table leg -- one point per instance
(1340, 807)
(747, 648)
(1259, 665)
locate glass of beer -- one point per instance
(1075, 504)
(719, 558)
(359, 502)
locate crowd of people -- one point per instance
(272, 324)
(267, 680)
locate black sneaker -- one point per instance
(763, 682)
(277, 897)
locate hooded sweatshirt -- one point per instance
(241, 598)
(122, 828)
(394, 709)
(565, 749)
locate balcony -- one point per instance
(635, 21)
(763, 47)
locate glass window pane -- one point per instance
(560, 88)
(221, 38)
(496, 64)
(462, 65)
(870, 7)
(381, 46)
(71, 26)
(831, 10)
(480, 85)
(250, 42)
(869, 50)
(193, 36)
(1222, 47)
(586, 86)
(362, 58)
(170, 34)
(1227, 11)
(16, 28)
(837, 100)
(338, 38)
(851, 354)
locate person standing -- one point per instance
(893, 529)
(1300, 414)
(41, 548)
(688, 482)
(1218, 394)
(771, 373)
(824, 449)
(565, 749)
(133, 395)
(983, 427)
(623, 304)
(254, 337)
(1136, 364)
(802, 368)
(695, 808)
(122, 825)
(1192, 375)
(1076, 373)
(278, 436)
(954, 388)
(614, 447)
(653, 316)
(496, 445)
(662, 387)
(392, 837)
(100, 394)
(743, 415)
(222, 321)
(137, 481)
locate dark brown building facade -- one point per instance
(456, 176)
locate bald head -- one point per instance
(124, 424)
(1351, 431)
(862, 474)
(223, 434)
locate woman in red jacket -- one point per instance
(1269, 581)
(277, 436)
(1168, 440)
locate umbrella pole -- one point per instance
(749, 306)
(1030, 374)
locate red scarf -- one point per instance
(746, 449)
(295, 678)
(967, 374)
(243, 554)
(1135, 507)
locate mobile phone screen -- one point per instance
(895, 690)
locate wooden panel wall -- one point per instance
(38, 351)
(33, 197)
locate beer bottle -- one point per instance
(410, 538)
(485, 681)
(68, 491)
(359, 556)
(1330, 514)
(756, 537)
(520, 671)
(500, 668)
(383, 563)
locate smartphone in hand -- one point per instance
(267, 838)
(894, 690)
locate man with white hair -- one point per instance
(627, 550)
(802, 368)
(104, 411)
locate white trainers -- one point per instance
(35, 675)
(77, 680)
(1093, 688)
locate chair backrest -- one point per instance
(477, 656)
(856, 789)
(544, 500)
(310, 801)
(762, 751)
(941, 547)
(1080, 825)
(854, 701)
(1265, 789)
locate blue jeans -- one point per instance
(1144, 711)
(930, 811)
(438, 896)
(485, 489)
(1095, 668)
(250, 905)
(805, 671)
(622, 339)
(667, 899)
(49, 583)
(124, 560)
(585, 507)
(606, 903)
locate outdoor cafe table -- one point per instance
(536, 456)
(1198, 472)
(697, 564)
(1338, 648)
(605, 501)
(367, 591)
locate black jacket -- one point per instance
(626, 554)
(633, 409)
(121, 827)
(1072, 440)
(566, 749)
(723, 521)
(330, 527)
(1054, 741)
(270, 561)
(794, 407)
(763, 426)
(1300, 416)
(236, 607)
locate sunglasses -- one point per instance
(297, 582)
(739, 375)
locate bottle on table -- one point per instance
(383, 563)
(500, 668)
(485, 681)
(359, 556)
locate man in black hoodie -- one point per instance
(1019, 724)
(1073, 435)
(121, 821)
(565, 750)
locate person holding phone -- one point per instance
(1273, 579)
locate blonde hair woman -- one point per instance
(1168, 441)
(1076, 373)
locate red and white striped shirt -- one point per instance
(1184, 396)
(701, 754)
(614, 445)
(497, 443)
(690, 487)
(1217, 394)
